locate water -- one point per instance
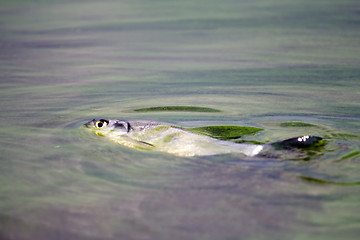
(262, 63)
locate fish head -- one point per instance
(103, 127)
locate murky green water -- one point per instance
(261, 63)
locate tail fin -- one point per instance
(299, 142)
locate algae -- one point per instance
(161, 128)
(225, 132)
(345, 135)
(321, 181)
(350, 155)
(175, 109)
(296, 124)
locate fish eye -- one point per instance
(101, 124)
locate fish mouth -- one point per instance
(90, 123)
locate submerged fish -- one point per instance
(164, 137)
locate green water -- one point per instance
(262, 64)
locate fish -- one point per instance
(172, 139)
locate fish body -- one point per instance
(164, 137)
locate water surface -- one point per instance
(260, 63)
